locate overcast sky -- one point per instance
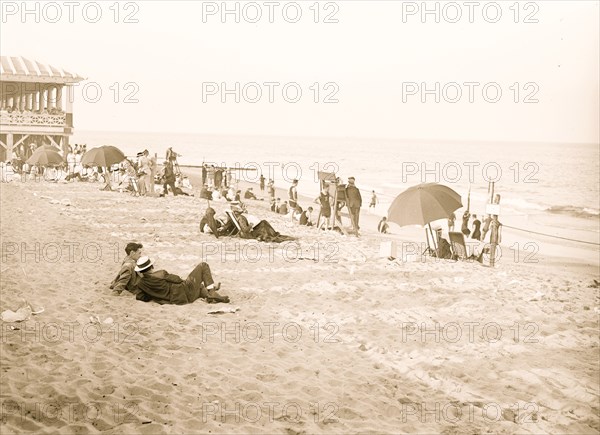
(374, 59)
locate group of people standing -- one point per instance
(291, 207)
(345, 196)
(141, 175)
(472, 228)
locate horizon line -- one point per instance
(426, 140)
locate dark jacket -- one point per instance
(209, 219)
(166, 288)
(169, 174)
(353, 198)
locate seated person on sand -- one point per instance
(182, 182)
(34, 172)
(306, 217)
(283, 208)
(275, 204)
(230, 196)
(209, 224)
(249, 194)
(205, 193)
(129, 181)
(253, 228)
(127, 279)
(383, 226)
(296, 212)
(166, 288)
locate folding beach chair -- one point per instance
(134, 185)
(459, 247)
(432, 244)
(237, 227)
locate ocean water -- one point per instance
(549, 182)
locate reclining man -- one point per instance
(127, 279)
(166, 288)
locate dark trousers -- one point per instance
(170, 183)
(194, 286)
(354, 215)
(200, 277)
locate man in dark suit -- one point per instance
(354, 202)
(166, 288)
(169, 178)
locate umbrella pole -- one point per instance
(433, 239)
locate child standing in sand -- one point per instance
(373, 200)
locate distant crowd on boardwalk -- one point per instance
(50, 111)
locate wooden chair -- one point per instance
(459, 247)
(232, 218)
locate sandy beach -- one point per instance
(322, 335)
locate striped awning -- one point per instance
(19, 69)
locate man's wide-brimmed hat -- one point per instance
(143, 264)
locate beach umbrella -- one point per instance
(45, 157)
(104, 156)
(423, 204)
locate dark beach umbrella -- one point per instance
(104, 156)
(45, 157)
(423, 204)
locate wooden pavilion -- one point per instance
(36, 106)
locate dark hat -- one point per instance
(132, 246)
(140, 154)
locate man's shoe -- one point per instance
(217, 299)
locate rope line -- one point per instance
(550, 235)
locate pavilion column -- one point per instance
(21, 100)
(36, 100)
(51, 98)
(9, 146)
(30, 101)
(59, 101)
(44, 98)
(40, 99)
(69, 105)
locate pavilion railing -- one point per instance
(33, 119)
